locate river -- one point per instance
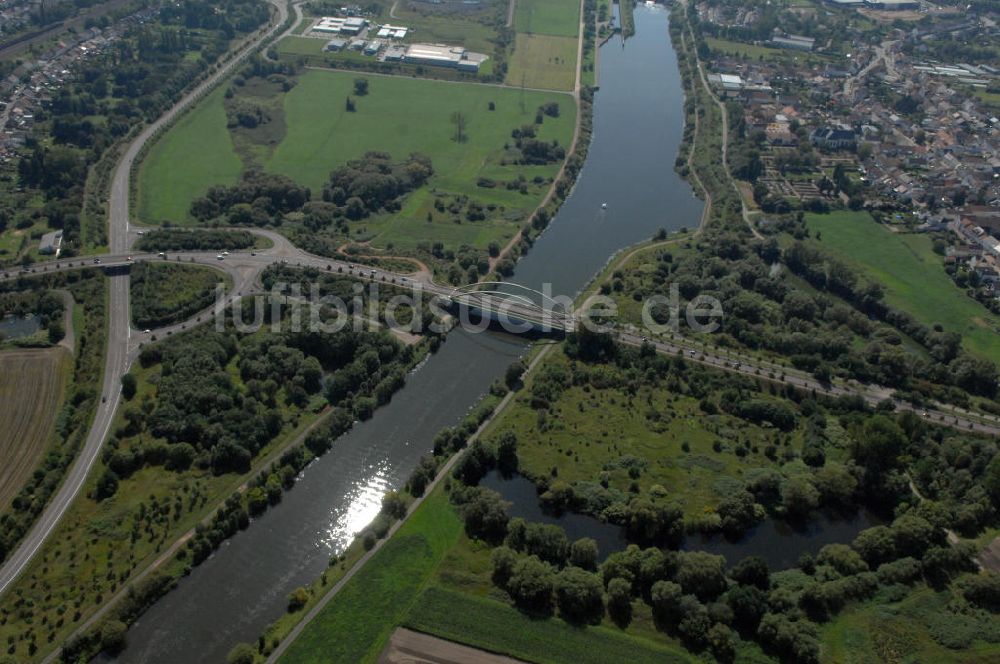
(233, 596)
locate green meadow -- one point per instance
(194, 154)
(402, 115)
(543, 61)
(560, 18)
(399, 116)
(412, 581)
(912, 274)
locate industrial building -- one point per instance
(353, 26)
(341, 26)
(329, 25)
(730, 84)
(50, 243)
(794, 42)
(893, 5)
(392, 32)
(372, 47)
(336, 44)
(440, 55)
(395, 53)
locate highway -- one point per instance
(118, 357)
(755, 368)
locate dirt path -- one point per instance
(511, 8)
(952, 536)
(69, 338)
(725, 142)
(408, 647)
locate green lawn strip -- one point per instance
(912, 274)
(356, 624)
(548, 17)
(190, 157)
(493, 626)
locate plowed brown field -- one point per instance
(32, 382)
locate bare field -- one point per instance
(409, 647)
(32, 382)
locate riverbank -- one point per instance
(575, 224)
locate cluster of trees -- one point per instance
(887, 362)
(46, 305)
(108, 635)
(882, 448)
(846, 329)
(961, 474)
(178, 239)
(694, 597)
(362, 304)
(258, 199)
(374, 183)
(204, 416)
(533, 150)
(167, 293)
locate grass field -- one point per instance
(32, 386)
(543, 61)
(496, 627)
(402, 585)
(560, 18)
(193, 155)
(901, 632)
(756, 52)
(355, 626)
(167, 293)
(473, 29)
(591, 431)
(912, 274)
(401, 116)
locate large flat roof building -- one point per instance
(440, 55)
(353, 26)
(339, 25)
(795, 42)
(392, 31)
(893, 5)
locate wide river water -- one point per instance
(233, 596)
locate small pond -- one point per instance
(16, 327)
(778, 543)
